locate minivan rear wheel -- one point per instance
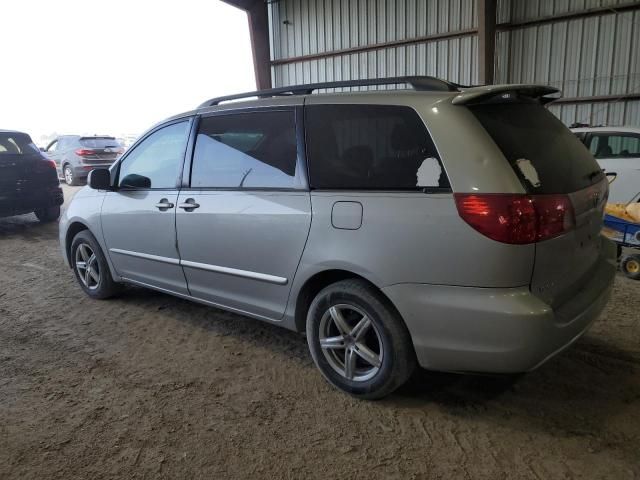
(358, 341)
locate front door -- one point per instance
(138, 219)
(243, 222)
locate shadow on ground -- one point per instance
(28, 228)
(573, 394)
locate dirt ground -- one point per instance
(150, 386)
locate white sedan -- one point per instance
(617, 149)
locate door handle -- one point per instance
(164, 205)
(189, 205)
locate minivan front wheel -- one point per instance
(358, 341)
(90, 267)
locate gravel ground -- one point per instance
(150, 386)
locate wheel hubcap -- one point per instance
(87, 266)
(633, 266)
(68, 176)
(351, 342)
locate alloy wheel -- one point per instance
(68, 175)
(87, 266)
(351, 343)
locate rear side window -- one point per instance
(371, 147)
(17, 144)
(615, 145)
(544, 154)
(100, 142)
(246, 150)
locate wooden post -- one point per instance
(486, 40)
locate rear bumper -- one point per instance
(497, 330)
(18, 204)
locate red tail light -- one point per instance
(85, 152)
(517, 219)
(45, 165)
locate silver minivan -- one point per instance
(453, 228)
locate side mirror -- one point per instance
(135, 181)
(99, 179)
(611, 176)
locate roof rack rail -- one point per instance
(421, 83)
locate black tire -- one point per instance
(105, 286)
(69, 178)
(395, 354)
(48, 214)
(631, 266)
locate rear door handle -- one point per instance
(164, 205)
(189, 205)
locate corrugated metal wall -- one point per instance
(307, 27)
(523, 10)
(597, 55)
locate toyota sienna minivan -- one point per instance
(447, 227)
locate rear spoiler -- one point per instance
(481, 94)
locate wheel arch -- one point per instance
(74, 228)
(314, 284)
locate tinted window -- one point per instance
(156, 161)
(545, 155)
(248, 150)
(100, 142)
(371, 147)
(615, 145)
(16, 143)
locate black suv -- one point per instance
(28, 180)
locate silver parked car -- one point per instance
(75, 156)
(453, 228)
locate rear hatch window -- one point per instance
(99, 142)
(15, 143)
(98, 150)
(544, 154)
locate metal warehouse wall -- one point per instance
(591, 56)
(303, 28)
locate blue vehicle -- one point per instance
(626, 233)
